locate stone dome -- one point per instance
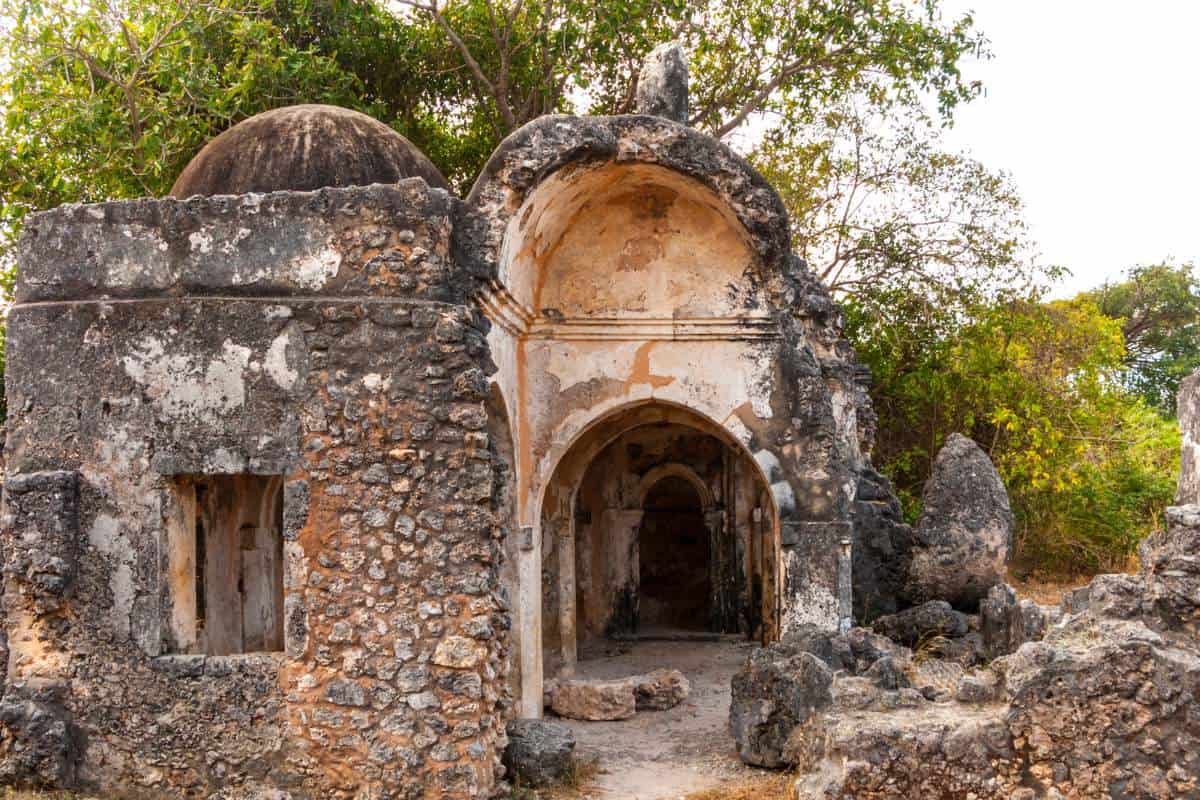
(303, 148)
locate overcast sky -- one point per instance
(1094, 108)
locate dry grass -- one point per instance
(577, 785)
(774, 787)
(574, 784)
(1048, 591)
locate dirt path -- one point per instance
(665, 754)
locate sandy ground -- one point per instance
(665, 754)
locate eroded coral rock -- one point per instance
(39, 744)
(1104, 706)
(594, 700)
(1171, 567)
(964, 536)
(1108, 708)
(882, 548)
(539, 752)
(662, 88)
(938, 752)
(911, 626)
(660, 690)
(777, 689)
(1007, 623)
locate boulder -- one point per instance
(539, 752)
(966, 651)
(777, 689)
(1104, 705)
(882, 545)
(851, 693)
(854, 651)
(594, 700)
(926, 753)
(979, 686)
(1109, 709)
(964, 536)
(888, 673)
(914, 625)
(660, 689)
(864, 647)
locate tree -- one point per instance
(105, 100)
(108, 98)
(1159, 310)
(748, 59)
(1087, 463)
(878, 206)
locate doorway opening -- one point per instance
(674, 560)
(655, 521)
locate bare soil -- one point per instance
(666, 754)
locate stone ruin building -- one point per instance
(316, 472)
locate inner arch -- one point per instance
(650, 504)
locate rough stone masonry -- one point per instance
(315, 472)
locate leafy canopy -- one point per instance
(109, 98)
(1040, 385)
(1158, 307)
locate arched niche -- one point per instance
(619, 240)
(676, 470)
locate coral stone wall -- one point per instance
(327, 340)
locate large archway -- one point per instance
(655, 520)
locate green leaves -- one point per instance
(1158, 307)
(1087, 463)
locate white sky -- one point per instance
(1094, 108)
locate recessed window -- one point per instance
(226, 565)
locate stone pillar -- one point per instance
(844, 586)
(566, 596)
(720, 571)
(529, 581)
(1188, 407)
(662, 89)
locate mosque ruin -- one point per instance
(316, 472)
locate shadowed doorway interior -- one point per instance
(674, 569)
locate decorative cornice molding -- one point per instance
(508, 313)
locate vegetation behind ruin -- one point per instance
(839, 104)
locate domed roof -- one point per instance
(303, 148)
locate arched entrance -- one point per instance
(656, 519)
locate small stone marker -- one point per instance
(662, 89)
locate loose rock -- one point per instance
(1008, 623)
(594, 700)
(911, 626)
(660, 689)
(662, 89)
(539, 752)
(778, 689)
